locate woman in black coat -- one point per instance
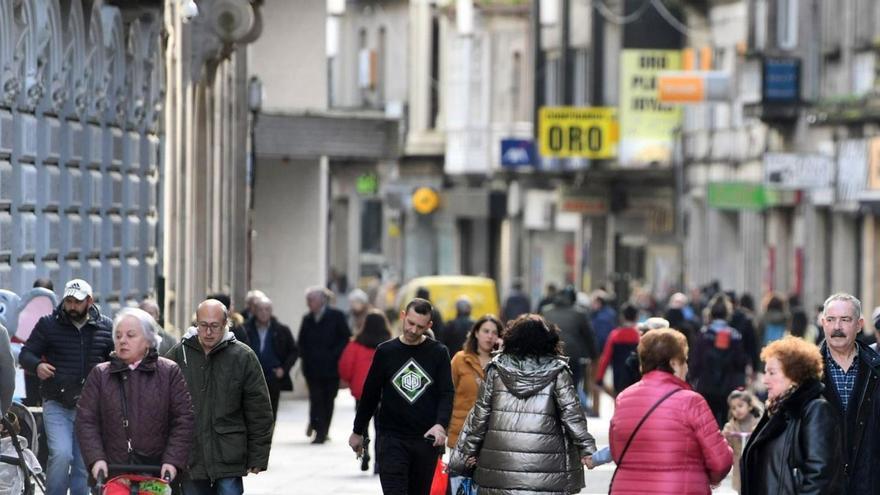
(796, 447)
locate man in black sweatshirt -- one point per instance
(411, 382)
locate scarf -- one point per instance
(773, 405)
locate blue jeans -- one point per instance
(222, 486)
(66, 468)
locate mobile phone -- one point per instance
(430, 439)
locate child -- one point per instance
(743, 417)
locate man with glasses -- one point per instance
(231, 403)
(851, 373)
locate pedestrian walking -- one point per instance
(357, 358)
(517, 302)
(468, 372)
(796, 446)
(774, 320)
(411, 384)
(620, 345)
(61, 351)
(135, 409)
(456, 331)
(851, 386)
(167, 339)
(358, 308)
(578, 339)
(664, 438)
(718, 361)
(526, 431)
(323, 336)
(745, 411)
(275, 347)
(231, 404)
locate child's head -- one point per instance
(742, 404)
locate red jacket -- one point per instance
(354, 366)
(678, 451)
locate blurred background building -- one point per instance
(359, 143)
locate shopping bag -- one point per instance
(441, 478)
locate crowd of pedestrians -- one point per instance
(786, 399)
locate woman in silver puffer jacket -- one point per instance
(526, 432)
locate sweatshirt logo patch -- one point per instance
(411, 381)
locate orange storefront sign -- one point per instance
(681, 88)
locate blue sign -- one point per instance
(518, 153)
(782, 80)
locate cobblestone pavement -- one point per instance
(296, 466)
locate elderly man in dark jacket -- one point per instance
(851, 386)
(233, 413)
(275, 347)
(61, 351)
(323, 336)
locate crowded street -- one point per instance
(439, 247)
(295, 466)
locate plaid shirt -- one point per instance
(844, 381)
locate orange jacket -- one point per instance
(467, 375)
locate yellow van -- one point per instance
(446, 289)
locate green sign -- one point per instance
(738, 196)
(367, 184)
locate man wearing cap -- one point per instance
(61, 351)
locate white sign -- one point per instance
(852, 169)
(798, 171)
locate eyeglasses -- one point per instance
(210, 327)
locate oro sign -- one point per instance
(578, 132)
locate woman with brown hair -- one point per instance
(468, 367)
(796, 447)
(664, 438)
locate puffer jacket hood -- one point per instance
(526, 376)
(526, 429)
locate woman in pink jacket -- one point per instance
(677, 449)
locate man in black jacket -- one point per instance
(851, 373)
(275, 347)
(323, 336)
(410, 385)
(61, 351)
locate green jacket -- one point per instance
(231, 403)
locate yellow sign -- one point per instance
(582, 132)
(425, 200)
(646, 123)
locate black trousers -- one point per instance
(274, 386)
(322, 393)
(406, 465)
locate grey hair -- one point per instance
(655, 323)
(147, 323)
(843, 296)
(317, 290)
(463, 305)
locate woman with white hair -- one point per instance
(135, 408)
